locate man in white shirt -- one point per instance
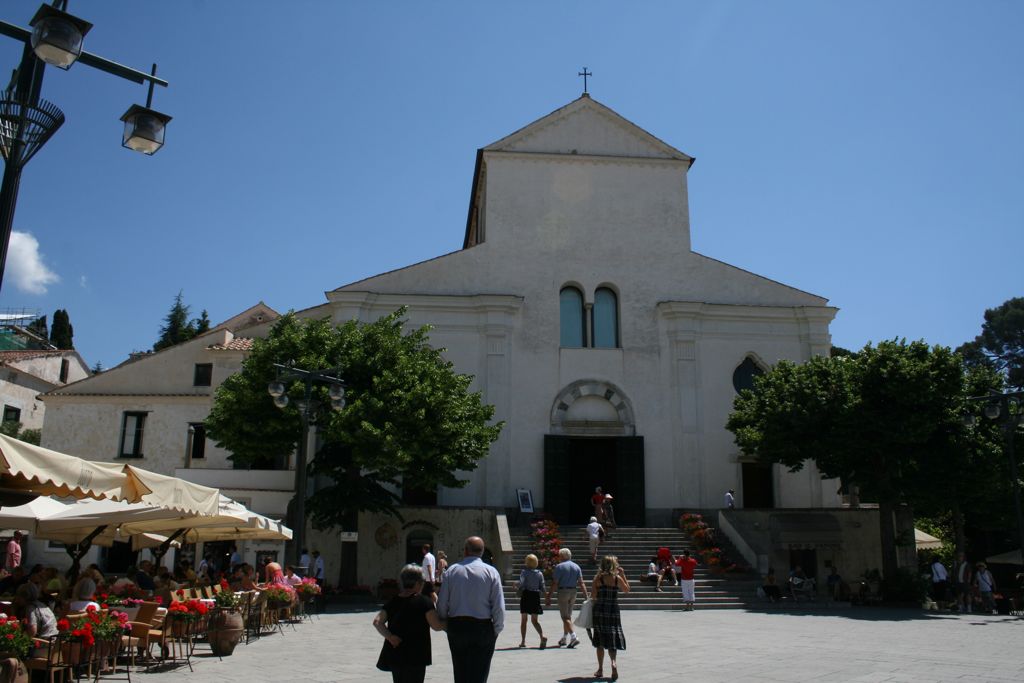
(940, 580)
(429, 565)
(304, 566)
(730, 499)
(318, 568)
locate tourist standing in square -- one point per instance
(567, 578)
(472, 602)
(686, 566)
(318, 568)
(986, 587)
(429, 566)
(940, 580)
(730, 499)
(13, 558)
(597, 500)
(962, 577)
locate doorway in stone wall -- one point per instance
(575, 465)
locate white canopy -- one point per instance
(28, 468)
(925, 541)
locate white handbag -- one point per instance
(585, 619)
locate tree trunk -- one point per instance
(959, 535)
(887, 537)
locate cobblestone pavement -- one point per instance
(851, 644)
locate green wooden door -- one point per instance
(629, 473)
(556, 477)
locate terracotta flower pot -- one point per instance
(224, 631)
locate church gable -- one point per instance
(586, 127)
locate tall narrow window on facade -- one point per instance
(131, 435)
(743, 376)
(197, 445)
(606, 319)
(65, 365)
(572, 320)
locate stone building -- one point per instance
(611, 350)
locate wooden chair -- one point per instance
(206, 592)
(137, 641)
(47, 659)
(253, 614)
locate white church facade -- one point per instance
(609, 348)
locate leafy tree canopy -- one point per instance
(409, 418)
(177, 327)
(879, 418)
(62, 334)
(13, 429)
(1001, 342)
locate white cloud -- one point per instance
(83, 282)
(25, 267)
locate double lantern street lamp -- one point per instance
(27, 121)
(1008, 410)
(309, 408)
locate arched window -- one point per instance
(743, 376)
(572, 317)
(606, 319)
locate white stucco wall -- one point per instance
(556, 212)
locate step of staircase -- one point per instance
(634, 547)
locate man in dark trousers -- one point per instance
(472, 602)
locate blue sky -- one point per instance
(869, 151)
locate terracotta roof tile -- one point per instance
(236, 344)
(27, 354)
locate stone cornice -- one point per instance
(594, 159)
(698, 310)
(508, 304)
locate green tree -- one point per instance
(177, 327)
(409, 421)
(13, 429)
(869, 419)
(38, 326)
(1001, 342)
(61, 332)
(202, 323)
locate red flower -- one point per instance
(90, 608)
(63, 624)
(10, 636)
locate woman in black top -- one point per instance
(405, 623)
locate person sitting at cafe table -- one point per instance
(291, 577)
(39, 620)
(82, 595)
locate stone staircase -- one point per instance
(634, 547)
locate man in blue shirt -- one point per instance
(567, 577)
(472, 602)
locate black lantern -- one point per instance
(144, 129)
(57, 36)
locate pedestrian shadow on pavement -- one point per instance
(856, 613)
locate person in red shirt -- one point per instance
(597, 500)
(686, 566)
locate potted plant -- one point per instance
(14, 644)
(279, 596)
(224, 630)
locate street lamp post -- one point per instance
(308, 408)
(1008, 409)
(27, 121)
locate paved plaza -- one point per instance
(843, 644)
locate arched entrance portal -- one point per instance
(593, 443)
